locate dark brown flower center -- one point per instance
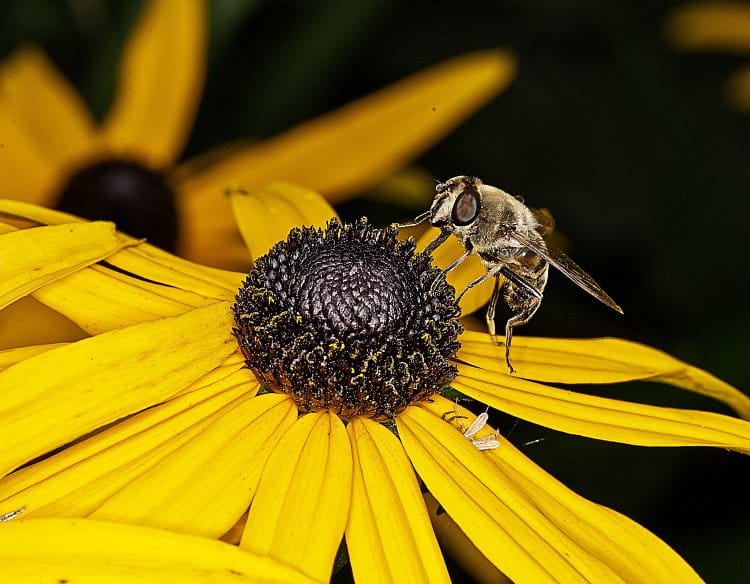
(348, 319)
(137, 199)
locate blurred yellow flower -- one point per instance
(716, 26)
(156, 421)
(54, 154)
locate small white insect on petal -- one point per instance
(12, 514)
(486, 443)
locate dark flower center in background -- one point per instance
(137, 199)
(348, 319)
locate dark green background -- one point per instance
(627, 142)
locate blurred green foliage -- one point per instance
(627, 142)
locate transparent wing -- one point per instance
(567, 266)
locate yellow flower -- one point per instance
(156, 421)
(716, 26)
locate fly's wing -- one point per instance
(567, 266)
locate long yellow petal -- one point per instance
(459, 547)
(602, 418)
(31, 258)
(29, 322)
(64, 393)
(266, 216)
(144, 259)
(33, 213)
(360, 143)
(24, 172)
(84, 551)
(159, 429)
(10, 357)
(160, 82)
(300, 510)
(46, 109)
(150, 262)
(99, 299)
(355, 146)
(77, 480)
(721, 26)
(204, 486)
(596, 361)
(389, 536)
(491, 512)
(461, 276)
(598, 539)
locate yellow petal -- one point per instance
(602, 418)
(299, 512)
(29, 322)
(10, 357)
(84, 551)
(266, 216)
(99, 299)
(389, 536)
(24, 172)
(209, 235)
(64, 393)
(404, 188)
(35, 214)
(505, 528)
(46, 109)
(31, 258)
(359, 144)
(596, 361)
(146, 260)
(78, 479)
(459, 547)
(206, 484)
(461, 276)
(160, 82)
(710, 25)
(602, 544)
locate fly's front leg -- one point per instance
(486, 276)
(419, 219)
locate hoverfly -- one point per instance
(508, 238)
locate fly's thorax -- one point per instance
(502, 211)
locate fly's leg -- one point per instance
(458, 262)
(523, 311)
(419, 219)
(490, 314)
(488, 274)
(453, 266)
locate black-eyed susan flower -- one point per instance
(301, 404)
(716, 26)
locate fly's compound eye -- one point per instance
(466, 208)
